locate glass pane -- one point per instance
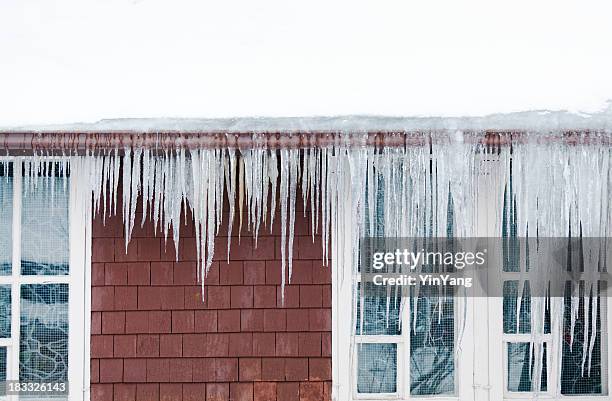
(580, 367)
(43, 342)
(6, 218)
(377, 368)
(511, 289)
(521, 363)
(432, 362)
(382, 310)
(44, 231)
(5, 311)
(2, 370)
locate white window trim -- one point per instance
(78, 279)
(480, 370)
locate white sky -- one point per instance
(83, 60)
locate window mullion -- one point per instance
(13, 370)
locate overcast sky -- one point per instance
(83, 60)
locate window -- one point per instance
(377, 358)
(43, 313)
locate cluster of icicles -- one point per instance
(555, 188)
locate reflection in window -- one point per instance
(381, 310)
(521, 363)
(43, 342)
(5, 311)
(377, 368)
(44, 232)
(6, 218)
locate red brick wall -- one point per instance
(154, 339)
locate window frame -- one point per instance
(78, 280)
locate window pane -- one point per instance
(521, 363)
(580, 368)
(377, 368)
(5, 311)
(44, 231)
(6, 218)
(432, 362)
(381, 311)
(43, 342)
(2, 370)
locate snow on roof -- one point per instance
(534, 121)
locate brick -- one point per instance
(147, 345)
(180, 370)
(311, 296)
(217, 344)
(113, 322)
(217, 392)
(111, 370)
(291, 297)
(307, 249)
(309, 344)
(296, 369)
(241, 297)
(158, 370)
(301, 272)
(194, 345)
(135, 370)
(96, 323)
(149, 249)
(97, 274)
(102, 249)
(320, 274)
(115, 274)
(265, 249)
(185, 273)
(124, 392)
(160, 322)
(162, 273)
(288, 391)
(297, 320)
(101, 392)
(264, 296)
(226, 369)
(228, 321)
(273, 369)
(326, 346)
(124, 346)
(273, 272)
(275, 320)
(241, 391)
(327, 391)
(240, 344)
(205, 321)
(170, 392)
(126, 298)
(139, 273)
(249, 369)
(264, 391)
(172, 298)
(137, 322)
(102, 298)
(212, 278)
(311, 391)
(194, 298)
(194, 391)
(254, 272)
(147, 392)
(182, 322)
(120, 253)
(319, 319)
(286, 344)
(94, 370)
(111, 227)
(101, 346)
(319, 369)
(204, 370)
(327, 296)
(189, 250)
(252, 320)
(264, 344)
(231, 273)
(218, 297)
(170, 345)
(149, 298)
